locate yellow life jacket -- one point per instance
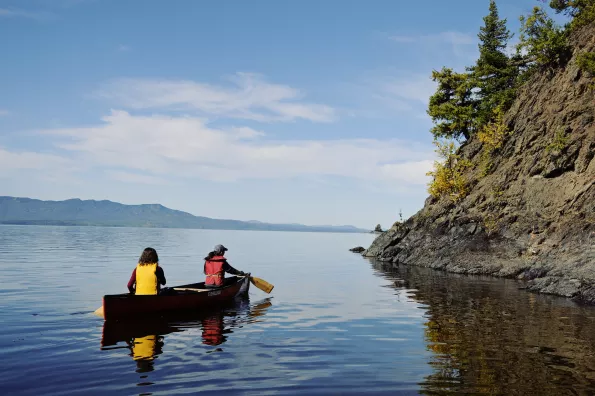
(146, 279)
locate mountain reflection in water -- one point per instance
(489, 337)
(145, 339)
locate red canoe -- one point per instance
(192, 297)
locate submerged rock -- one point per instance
(358, 249)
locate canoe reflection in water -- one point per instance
(145, 339)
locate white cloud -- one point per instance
(462, 45)
(123, 48)
(248, 97)
(409, 172)
(28, 160)
(395, 93)
(18, 13)
(136, 178)
(457, 38)
(416, 87)
(164, 146)
(4, 112)
(511, 48)
(404, 39)
(453, 38)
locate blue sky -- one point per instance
(282, 111)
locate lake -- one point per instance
(335, 322)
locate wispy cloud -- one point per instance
(136, 178)
(462, 45)
(123, 48)
(248, 96)
(414, 88)
(451, 37)
(19, 13)
(404, 39)
(394, 93)
(67, 3)
(148, 149)
(29, 160)
(4, 112)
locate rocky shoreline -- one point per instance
(533, 217)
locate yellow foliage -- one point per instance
(493, 136)
(559, 142)
(448, 175)
(490, 223)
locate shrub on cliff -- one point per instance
(544, 43)
(586, 62)
(492, 136)
(582, 12)
(448, 176)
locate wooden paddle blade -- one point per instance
(262, 284)
(99, 311)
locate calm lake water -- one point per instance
(335, 322)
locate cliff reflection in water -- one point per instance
(489, 337)
(145, 339)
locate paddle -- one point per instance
(99, 311)
(262, 284)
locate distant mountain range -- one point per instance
(76, 212)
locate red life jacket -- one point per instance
(214, 271)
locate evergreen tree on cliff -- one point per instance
(494, 74)
(582, 12)
(465, 102)
(452, 107)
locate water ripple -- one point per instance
(334, 323)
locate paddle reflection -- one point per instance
(145, 339)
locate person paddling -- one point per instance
(148, 276)
(216, 266)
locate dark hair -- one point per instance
(213, 254)
(149, 256)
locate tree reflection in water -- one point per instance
(145, 339)
(489, 337)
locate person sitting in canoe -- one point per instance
(216, 266)
(148, 276)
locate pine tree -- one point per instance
(465, 102)
(452, 107)
(494, 74)
(571, 7)
(543, 41)
(582, 12)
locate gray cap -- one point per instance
(220, 248)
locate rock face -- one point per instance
(533, 217)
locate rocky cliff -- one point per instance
(533, 216)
